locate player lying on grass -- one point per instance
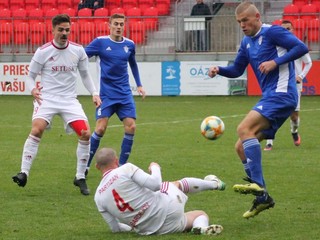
(130, 199)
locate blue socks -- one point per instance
(94, 144)
(252, 150)
(126, 147)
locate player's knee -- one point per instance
(131, 128)
(238, 147)
(85, 135)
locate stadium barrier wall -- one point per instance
(167, 78)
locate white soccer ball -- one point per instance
(211, 178)
(212, 127)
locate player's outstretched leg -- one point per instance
(209, 230)
(259, 204)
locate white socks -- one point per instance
(29, 153)
(83, 153)
(194, 185)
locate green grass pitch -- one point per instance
(168, 132)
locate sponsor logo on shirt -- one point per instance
(62, 68)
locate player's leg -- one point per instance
(269, 145)
(294, 125)
(127, 141)
(30, 150)
(195, 185)
(198, 223)
(82, 129)
(100, 129)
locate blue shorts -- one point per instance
(276, 108)
(124, 108)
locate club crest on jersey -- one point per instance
(260, 40)
(126, 49)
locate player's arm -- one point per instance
(34, 69)
(306, 59)
(92, 49)
(135, 72)
(114, 223)
(236, 69)
(151, 181)
(283, 38)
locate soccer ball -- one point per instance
(212, 127)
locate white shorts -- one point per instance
(176, 220)
(69, 109)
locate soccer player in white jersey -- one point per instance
(302, 67)
(270, 50)
(130, 199)
(113, 53)
(58, 62)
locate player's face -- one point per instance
(249, 22)
(287, 26)
(61, 33)
(116, 28)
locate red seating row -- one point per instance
(305, 30)
(306, 11)
(43, 4)
(38, 33)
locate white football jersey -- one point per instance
(58, 68)
(122, 195)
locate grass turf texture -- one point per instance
(168, 132)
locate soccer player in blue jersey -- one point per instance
(270, 50)
(113, 52)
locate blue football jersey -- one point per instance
(270, 43)
(112, 60)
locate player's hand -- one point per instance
(36, 93)
(213, 71)
(298, 79)
(267, 66)
(151, 165)
(141, 92)
(96, 100)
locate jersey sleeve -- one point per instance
(283, 38)
(239, 65)
(92, 49)
(134, 68)
(306, 59)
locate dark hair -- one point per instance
(60, 18)
(286, 22)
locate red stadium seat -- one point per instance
(19, 15)
(5, 15)
(300, 3)
(4, 4)
(291, 12)
(35, 15)
(277, 22)
(102, 28)
(144, 4)
(71, 12)
(101, 15)
(111, 4)
(37, 35)
(316, 2)
(48, 4)
(117, 10)
(133, 15)
(86, 32)
(128, 4)
(313, 30)
(309, 11)
(32, 4)
(49, 14)
(299, 28)
(151, 18)
(74, 34)
(85, 15)
(163, 7)
(16, 4)
(137, 32)
(5, 35)
(64, 4)
(21, 33)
